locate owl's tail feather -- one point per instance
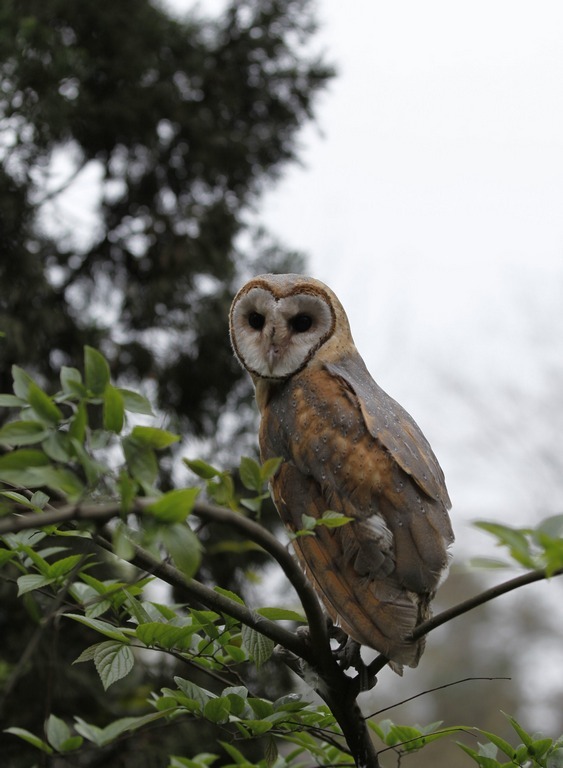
(374, 612)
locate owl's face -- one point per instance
(279, 322)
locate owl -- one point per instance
(349, 448)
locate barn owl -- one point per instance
(350, 448)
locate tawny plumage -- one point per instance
(347, 447)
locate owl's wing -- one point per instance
(393, 427)
(350, 569)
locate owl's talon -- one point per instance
(348, 656)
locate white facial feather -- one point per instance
(275, 337)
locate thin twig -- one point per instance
(431, 690)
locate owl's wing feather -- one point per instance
(393, 427)
(349, 568)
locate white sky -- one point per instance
(433, 204)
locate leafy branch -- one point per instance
(61, 481)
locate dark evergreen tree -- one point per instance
(186, 122)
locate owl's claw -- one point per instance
(348, 656)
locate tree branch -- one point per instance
(213, 600)
(102, 513)
(313, 611)
(468, 605)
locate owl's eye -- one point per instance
(301, 322)
(256, 321)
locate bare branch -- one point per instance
(482, 597)
(95, 513)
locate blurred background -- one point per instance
(153, 157)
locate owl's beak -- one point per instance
(272, 357)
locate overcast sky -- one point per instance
(431, 200)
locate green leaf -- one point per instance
(484, 761)
(19, 498)
(5, 556)
(127, 488)
(201, 468)
(194, 692)
(258, 647)
(229, 594)
(160, 634)
(135, 403)
(141, 461)
(203, 760)
(527, 740)
(153, 437)
(332, 519)
(21, 467)
(108, 630)
(184, 547)
(217, 710)
(250, 474)
(60, 479)
(121, 542)
(58, 447)
(174, 506)
(22, 380)
(59, 735)
(78, 424)
(309, 522)
(11, 401)
(71, 381)
(35, 741)
(43, 405)
(234, 753)
(96, 371)
(281, 614)
(113, 661)
(22, 433)
(551, 526)
(32, 581)
(87, 654)
(39, 499)
(63, 566)
(269, 469)
(92, 469)
(513, 538)
(261, 707)
(103, 736)
(114, 409)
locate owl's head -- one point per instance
(279, 323)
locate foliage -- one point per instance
(540, 547)
(178, 125)
(79, 467)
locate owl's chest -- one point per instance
(310, 418)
